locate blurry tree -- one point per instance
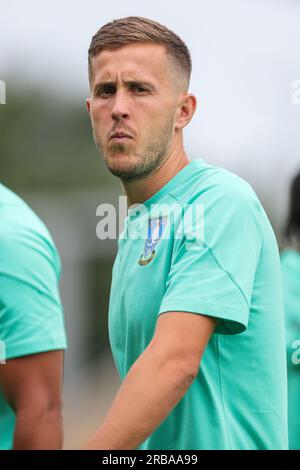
(46, 142)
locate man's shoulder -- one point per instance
(210, 184)
(21, 226)
(9, 198)
(16, 214)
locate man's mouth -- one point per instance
(120, 137)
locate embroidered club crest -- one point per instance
(155, 229)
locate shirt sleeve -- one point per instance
(213, 274)
(31, 312)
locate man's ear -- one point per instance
(186, 111)
(88, 105)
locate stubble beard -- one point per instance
(142, 164)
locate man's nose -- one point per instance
(120, 108)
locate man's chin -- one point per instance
(119, 166)
(125, 175)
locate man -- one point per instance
(196, 327)
(31, 330)
(290, 268)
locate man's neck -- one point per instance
(139, 191)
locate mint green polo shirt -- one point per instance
(290, 265)
(228, 267)
(31, 313)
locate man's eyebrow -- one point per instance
(139, 82)
(104, 83)
(129, 83)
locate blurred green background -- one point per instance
(245, 60)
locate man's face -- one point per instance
(133, 104)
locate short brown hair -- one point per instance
(135, 29)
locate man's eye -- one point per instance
(139, 89)
(105, 92)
